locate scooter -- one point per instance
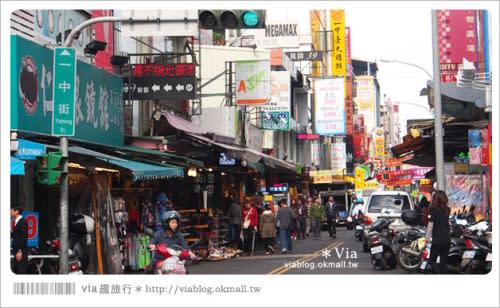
(380, 239)
(174, 262)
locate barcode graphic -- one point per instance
(44, 288)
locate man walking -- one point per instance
(285, 217)
(234, 214)
(331, 216)
(19, 229)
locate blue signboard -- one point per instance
(98, 97)
(29, 150)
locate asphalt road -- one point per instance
(343, 255)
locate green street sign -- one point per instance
(63, 111)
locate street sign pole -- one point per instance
(63, 125)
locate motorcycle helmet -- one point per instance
(168, 216)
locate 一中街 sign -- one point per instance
(63, 111)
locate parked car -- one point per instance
(385, 203)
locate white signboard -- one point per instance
(253, 82)
(280, 97)
(338, 157)
(278, 34)
(170, 28)
(329, 106)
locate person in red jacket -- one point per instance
(249, 214)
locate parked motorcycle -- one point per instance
(380, 240)
(477, 258)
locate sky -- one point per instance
(387, 33)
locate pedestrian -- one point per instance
(250, 220)
(285, 219)
(19, 244)
(331, 216)
(308, 218)
(267, 228)
(438, 232)
(316, 214)
(301, 215)
(234, 214)
(423, 206)
(294, 206)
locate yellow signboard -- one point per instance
(314, 16)
(379, 143)
(321, 176)
(268, 198)
(372, 184)
(337, 24)
(359, 184)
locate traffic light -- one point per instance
(41, 173)
(55, 164)
(50, 168)
(231, 19)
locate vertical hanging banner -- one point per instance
(253, 82)
(329, 113)
(457, 34)
(279, 103)
(104, 33)
(315, 28)
(338, 156)
(359, 183)
(337, 24)
(378, 137)
(365, 101)
(349, 123)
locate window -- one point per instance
(390, 202)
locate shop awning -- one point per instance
(273, 162)
(140, 170)
(143, 171)
(16, 166)
(189, 162)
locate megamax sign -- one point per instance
(63, 115)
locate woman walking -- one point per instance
(438, 232)
(267, 228)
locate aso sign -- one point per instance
(253, 82)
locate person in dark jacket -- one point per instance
(19, 244)
(301, 215)
(285, 218)
(234, 214)
(331, 216)
(438, 232)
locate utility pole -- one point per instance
(438, 125)
(63, 141)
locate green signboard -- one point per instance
(63, 113)
(275, 120)
(98, 96)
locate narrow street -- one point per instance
(346, 257)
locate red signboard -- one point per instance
(104, 33)
(457, 34)
(164, 70)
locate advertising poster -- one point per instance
(329, 107)
(457, 35)
(275, 115)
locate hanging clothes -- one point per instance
(144, 255)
